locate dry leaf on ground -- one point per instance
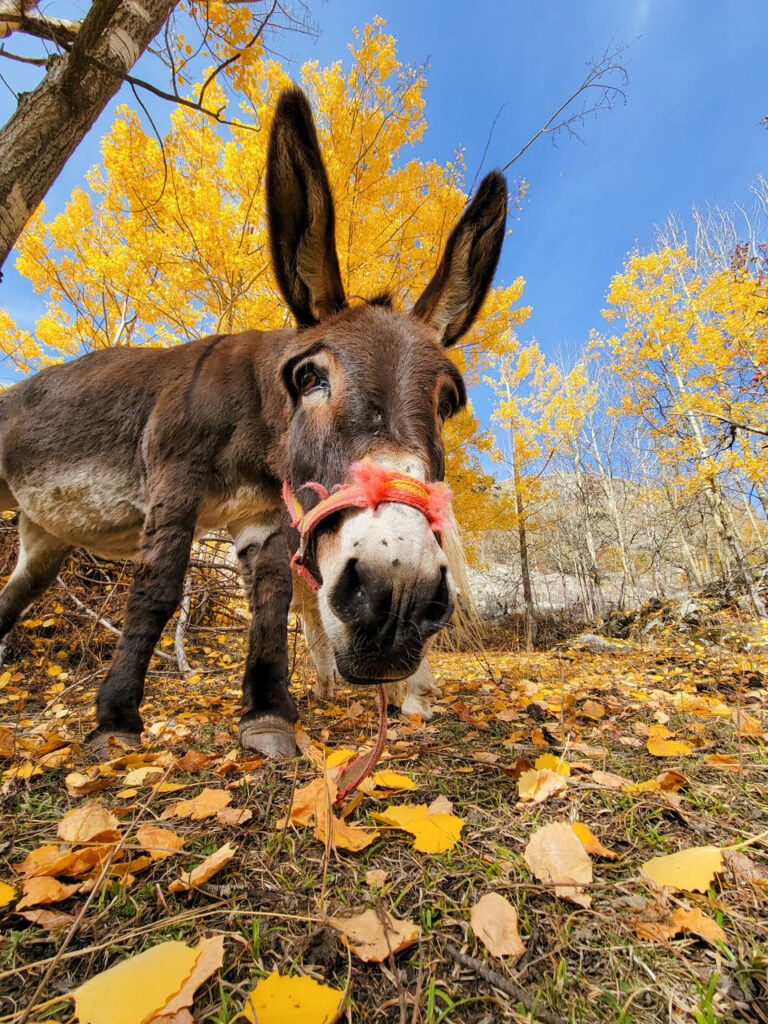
(209, 867)
(433, 833)
(590, 842)
(660, 747)
(205, 805)
(552, 763)
(280, 999)
(137, 989)
(393, 780)
(537, 785)
(344, 836)
(210, 957)
(310, 803)
(691, 870)
(91, 822)
(555, 855)
(43, 889)
(159, 842)
(658, 924)
(376, 878)
(7, 894)
(494, 922)
(48, 919)
(373, 937)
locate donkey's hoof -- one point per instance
(97, 741)
(269, 735)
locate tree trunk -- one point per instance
(50, 122)
(524, 565)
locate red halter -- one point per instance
(372, 486)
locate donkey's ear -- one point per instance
(300, 214)
(454, 295)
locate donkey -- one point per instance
(133, 452)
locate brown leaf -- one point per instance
(609, 780)
(658, 924)
(96, 780)
(158, 842)
(194, 761)
(91, 822)
(205, 805)
(199, 875)
(43, 889)
(48, 919)
(494, 922)
(372, 937)
(234, 816)
(555, 855)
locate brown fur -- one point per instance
(134, 451)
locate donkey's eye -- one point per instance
(449, 404)
(310, 379)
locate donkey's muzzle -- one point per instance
(387, 629)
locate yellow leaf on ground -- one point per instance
(210, 957)
(433, 833)
(49, 860)
(280, 999)
(338, 757)
(667, 748)
(344, 836)
(691, 870)
(590, 842)
(96, 780)
(553, 763)
(91, 822)
(138, 988)
(7, 894)
(158, 842)
(722, 761)
(199, 875)
(538, 785)
(7, 743)
(749, 727)
(393, 780)
(373, 936)
(204, 805)
(556, 856)
(43, 889)
(494, 922)
(144, 776)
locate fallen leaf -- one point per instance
(210, 957)
(95, 781)
(234, 816)
(48, 919)
(691, 870)
(280, 999)
(393, 780)
(376, 878)
(433, 833)
(7, 742)
(310, 803)
(494, 922)
(91, 822)
(658, 924)
(592, 709)
(194, 761)
(553, 763)
(538, 785)
(373, 937)
(144, 776)
(667, 748)
(590, 842)
(609, 780)
(136, 989)
(344, 836)
(43, 889)
(199, 875)
(722, 761)
(158, 842)
(555, 855)
(204, 805)
(7, 894)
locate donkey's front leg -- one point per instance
(154, 596)
(267, 725)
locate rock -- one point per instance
(593, 642)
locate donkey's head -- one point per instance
(369, 383)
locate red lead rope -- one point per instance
(371, 486)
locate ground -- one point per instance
(499, 711)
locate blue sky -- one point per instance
(689, 132)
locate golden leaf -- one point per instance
(667, 748)
(393, 780)
(7, 894)
(344, 836)
(553, 763)
(138, 988)
(590, 842)
(536, 786)
(210, 956)
(280, 999)
(692, 869)
(204, 805)
(158, 842)
(90, 822)
(43, 889)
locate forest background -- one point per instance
(618, 375)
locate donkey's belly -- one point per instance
(86, 506)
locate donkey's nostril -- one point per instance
(361, 596)
(440, 607)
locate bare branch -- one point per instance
(608, 93)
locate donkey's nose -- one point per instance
(362, 597)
